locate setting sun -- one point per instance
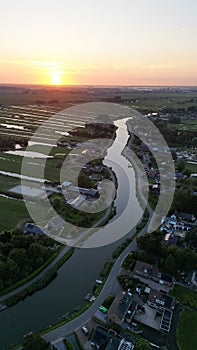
(56, 77)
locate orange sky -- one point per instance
(126, 42)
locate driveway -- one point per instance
(59, 344)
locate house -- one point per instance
(178, 175)
(160, 300)
(125, 345)
(32, 228)
(142, 269)
(95, 176)
(120, 307)
(155, 188)
(106, 340)
(66, 184)
(146, 271)
(102, 339)
(162, 278)
(176, 225)
(131, 311)
(170, 239)
(187, 217)
(165, 304)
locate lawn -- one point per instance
(192, 167)
(7, 182)
(13, 213)
(187, 330)
(185, 295)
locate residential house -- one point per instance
(119, 308)
(165, 304)
(32, 228)
(186, 217)
(142, 269)
(162, 278)
(147, 271)
(125, 345)
(170, 239)
(106, 340)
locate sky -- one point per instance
(103, 42)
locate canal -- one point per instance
(76, 277)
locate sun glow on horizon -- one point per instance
(56, 77)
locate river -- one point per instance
(76, 277)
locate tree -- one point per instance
(180, 165)
(142, 344)
(194, 142)
(19, 256)
(187, 172)
(150, 243)
(170, 265)
(191, 237)
(34, 342)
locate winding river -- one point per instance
(76, 277)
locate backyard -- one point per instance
(187, 330)
(185, 295)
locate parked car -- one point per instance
(85, 330)
(103, 309)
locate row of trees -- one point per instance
(21, 254)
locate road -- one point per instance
(87, 315)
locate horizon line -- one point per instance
(93, 85)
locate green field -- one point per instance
(192, 167)
(12, 163)
(187, 330)
(185, 295)
(13, 213)
(184, 125)
(7, 182)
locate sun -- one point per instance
(56, 77)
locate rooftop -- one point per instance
(119, 307)
(161, 299)
(142, 267)
(102, 338)
(31, 228)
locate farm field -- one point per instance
(13, 213)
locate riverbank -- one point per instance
(40, 282)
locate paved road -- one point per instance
(83, 318)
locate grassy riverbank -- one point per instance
(33, 274)
(40, 282)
